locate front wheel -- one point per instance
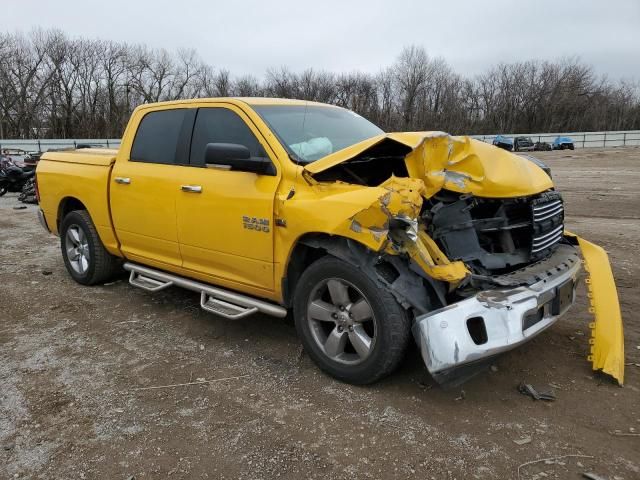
(350, 326)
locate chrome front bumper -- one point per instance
(455, 338)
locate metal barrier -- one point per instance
(42, 145)
(581, 140)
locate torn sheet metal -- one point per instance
(465, 165)
(402, 197)
(460, 164)
(402, 200)
(607, 336)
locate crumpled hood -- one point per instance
(460, 164)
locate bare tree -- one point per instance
(56, 86)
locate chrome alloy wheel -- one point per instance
(77, 248)
(341, 321)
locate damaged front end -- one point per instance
(481, 231)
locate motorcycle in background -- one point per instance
(12, 177)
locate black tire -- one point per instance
(392, 323)
(101, 265)
(3, 190)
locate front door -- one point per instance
(225, 217)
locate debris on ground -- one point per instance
(551, 461)
(592, 476)
(462, 396)
(522, 441)
(197, 382)
(19, 207)
(529, 390)
(620, 433)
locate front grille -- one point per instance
(496, 236)
(547, 216)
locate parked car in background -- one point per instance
(563, 143)
(522, 144)
(542, 147)
(503, 142)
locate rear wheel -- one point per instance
(85, 257)
(351, 327)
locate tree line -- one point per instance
(54, 86)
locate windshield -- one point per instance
(312, 132)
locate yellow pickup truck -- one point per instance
(270, 205)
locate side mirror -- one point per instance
(237, 157)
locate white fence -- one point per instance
(42, 145)
(581, 140)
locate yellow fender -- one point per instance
(607, 337)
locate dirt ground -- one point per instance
(75, 364)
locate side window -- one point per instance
(220, 125)
(157, 136)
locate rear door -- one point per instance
(144, 187)
(225, 217)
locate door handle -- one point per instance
(191, 188)
(122, 180)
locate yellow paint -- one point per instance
(607, 336)
(431, 259)
(86, 181)
(460, 164)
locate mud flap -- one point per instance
(607, 337)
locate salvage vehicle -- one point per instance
(563, 143)
(523, 144)
(503, 142)
(269, 205)
(542, 147)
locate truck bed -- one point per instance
(78, 174)
(87, 156)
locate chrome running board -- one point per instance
(216, 300)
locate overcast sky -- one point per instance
(250, 36)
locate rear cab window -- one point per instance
(158, 135)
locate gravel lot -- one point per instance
(76, 364)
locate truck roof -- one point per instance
(236, 100)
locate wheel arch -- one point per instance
(68, 204)
(391, 272)
(307, 249)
